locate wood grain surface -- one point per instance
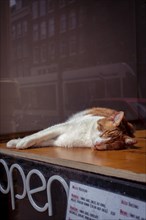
(127, 164)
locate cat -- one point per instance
(97, 128)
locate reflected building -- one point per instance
(4, 39)
(67, 54)
(20, 39)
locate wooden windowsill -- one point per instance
(128, 164)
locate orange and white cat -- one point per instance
(98, 128)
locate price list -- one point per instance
(89, 203)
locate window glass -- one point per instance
(60, 57)
(34, 8)
(63, 23)
(51, 26)
(35, 32)
(72, 19)
(42, 7)
(43, 30)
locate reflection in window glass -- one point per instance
(19, 51)
(35, 32)
(19, 29)
(51, 26)
(63, 23)
(63, 47)
(72, 20)
(81, 17)
(34, 9)
(51, 50)
(13, 32)
(72, 44)
(43, 53)
(25, 50)
(42, 7)
(62, 3)
(25, 27)
(43, 30)
(81, 43)
(36, 55)
(51, 4)
(65, 56)
(19, 4)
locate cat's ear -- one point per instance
(117, 118)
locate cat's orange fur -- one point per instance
(119, 130)
(105, 112)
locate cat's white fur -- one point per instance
(80, 130)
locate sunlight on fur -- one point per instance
(97, 128)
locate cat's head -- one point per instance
(118, 132)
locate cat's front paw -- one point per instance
(12, 143)
(100, 144)
(25, 143)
